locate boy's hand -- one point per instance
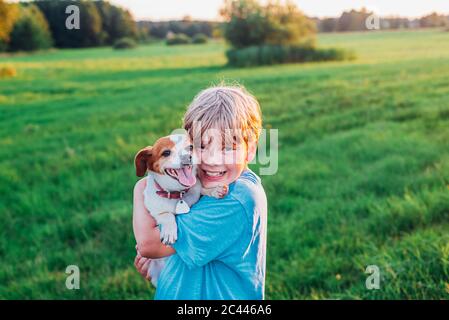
(216, 192)
(142, 264)
(220, 191)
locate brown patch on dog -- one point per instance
(150, 158)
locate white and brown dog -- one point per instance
(172, 186)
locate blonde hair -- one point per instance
(226, 108)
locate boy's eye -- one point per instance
(166, 153)
(191, 147)
(230, 147)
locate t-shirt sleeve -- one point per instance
(210, 228)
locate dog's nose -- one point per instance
(186, 159)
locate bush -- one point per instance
(7, 72)
(125, 43)
(199, 38)
(31, 31)
(178, 39)
(275, 54)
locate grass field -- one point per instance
(363, 173)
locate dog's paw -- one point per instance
(219, 191)
(169, 234)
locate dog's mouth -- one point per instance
(183, 175)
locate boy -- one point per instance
(220, 250)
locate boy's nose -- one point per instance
(212, 158)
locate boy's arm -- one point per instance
(145, 229)
(210, 228)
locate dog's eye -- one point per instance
(166, 153)
(191, 147)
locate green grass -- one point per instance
(363, 165)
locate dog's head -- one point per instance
(171, 158)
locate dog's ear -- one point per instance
(142, 160)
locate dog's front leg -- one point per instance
(169, 231)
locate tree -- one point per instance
(245, 23)
(117, 23)
(143, 32)
(31, 31)
(248, 23)
(394, 23)
(287, 25)
(353, 20)
(328, 25)
(176, 26)
(433, 20)
(8, 16)
(159, 29)
(191, 29)
(207, 28)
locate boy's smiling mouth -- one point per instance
(213, 175)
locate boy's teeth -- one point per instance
(215, 174)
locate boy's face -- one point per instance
(220, 163)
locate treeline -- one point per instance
(41, 24)
(355, 20)
(186, 26)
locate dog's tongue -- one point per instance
(186, 177)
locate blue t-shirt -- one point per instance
(220, 251)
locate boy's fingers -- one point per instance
(145, 268)
(146, 264)
(141, 262)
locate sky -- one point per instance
(208, 9)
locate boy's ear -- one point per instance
(252, 148)
(142, 160)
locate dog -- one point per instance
(172, 186)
